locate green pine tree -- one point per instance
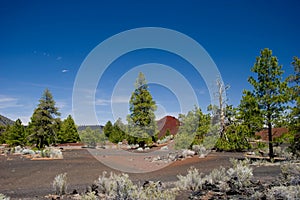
(249, 113)
(68, 131)
(269, 90)
(294, 81)
(16, 134)
(2, 134)
(141, 121)
(108, 129)
(43, 122)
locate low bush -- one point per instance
(290, 173)
(117, 187)
(192, 181)
(284, 192)
(241, 173)
(89, 196)
(3, 197)
(50, 152)
(60, 184)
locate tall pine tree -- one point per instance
(42, 125)
(294, 81)
(269, 90)
(141, 120)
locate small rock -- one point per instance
(157, 158)
(164, 148)
(28, 151)
(140, 149)
(187, 153)
(148, 158)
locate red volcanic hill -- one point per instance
(276, 132)
(167, 123)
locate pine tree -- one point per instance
(249, 113)
(42, 125)
(294, 81)
(68, 131)
(141, 121)
(269, 90)
(16, 134)
(108, 129)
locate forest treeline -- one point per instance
(272, 102)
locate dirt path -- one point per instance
(21, 177)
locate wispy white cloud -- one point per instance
(102, 102)
(8, 102)
(117, 100)
(59, 58)
(64, 71)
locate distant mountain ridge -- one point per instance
(5, 121)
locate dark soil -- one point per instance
(23, 178)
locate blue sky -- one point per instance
(44, 43)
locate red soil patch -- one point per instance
(167, 123)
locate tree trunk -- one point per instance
(221, 106)
(271, 153)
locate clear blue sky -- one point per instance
(43, 44)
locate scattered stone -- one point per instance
(18, 150)
(164, 148)
(149, 158)
(187, 153)
(156, 158)
(28, 152)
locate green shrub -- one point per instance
(89, 196)
(235, 140)
(90, 137)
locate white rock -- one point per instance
(140, 149)
(28, 151)
(164, 148)
(187, 153)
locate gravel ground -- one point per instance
(22, 178)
